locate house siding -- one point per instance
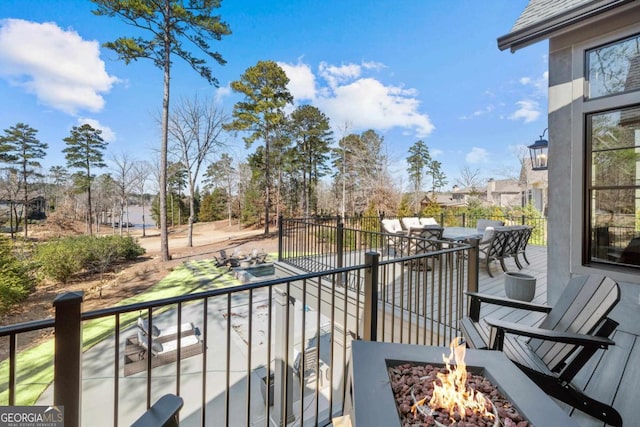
(566, 148)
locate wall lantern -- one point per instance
(539, 152)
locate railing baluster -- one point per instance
(205, 335)
(227, 397)
(13, 341)
(249, 351)
(116, 379)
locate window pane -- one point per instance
(615, 148)
(614, 187)
(615, 225)
(616, 167)
(614, 68)
(617, 129)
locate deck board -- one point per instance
(611, 376)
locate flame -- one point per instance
(453, 395)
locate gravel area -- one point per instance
(419, 379)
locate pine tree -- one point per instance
(84, 151)
(23, 149)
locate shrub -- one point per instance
(15, 281)
(60, 259)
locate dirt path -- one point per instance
(133, 278)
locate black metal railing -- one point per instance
(275, 350)
(326, 228)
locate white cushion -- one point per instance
(411, 221)
(391, 225)
(428, 221)
(487, 235)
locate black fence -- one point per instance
(271, 352)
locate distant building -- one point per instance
(531, 187)
(36, 208)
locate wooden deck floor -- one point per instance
(611, 376)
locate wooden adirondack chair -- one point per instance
(572, 331)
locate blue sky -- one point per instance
(411, 69)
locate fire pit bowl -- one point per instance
(372, 399)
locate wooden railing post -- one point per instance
(370, 332)
(67, 368)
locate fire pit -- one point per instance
(372, 398)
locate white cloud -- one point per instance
(222, 92)
(63, 70)
(364, 102)
(108, 135)
(539, 84)
(335, 75)
(302, 82)
(528, 111)
(486, 110)
(372, 65)
(477, 155)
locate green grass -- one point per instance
(34, 366)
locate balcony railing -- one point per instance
(272, 350)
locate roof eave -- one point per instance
(557, 23)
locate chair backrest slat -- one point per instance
(499, 240)
(512, 242)
(524, 239)
(583, 305)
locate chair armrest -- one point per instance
(163, 413)
(477, 298)
(544, 334)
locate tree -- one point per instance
(141, 171)
(24, 149)
(438, 177)
(264, 87)
(214, 205)
(361, 168)
(195, 128)
(471, 181)
(312, 135)
(221, 175)
(84, 151)
(58, 178)
(345, 174)
(168, 22)
(10, 186)
(106, 198)
(176, 182)
(125, 180)
(418, 161)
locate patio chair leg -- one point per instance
(489, 269)
(515, 257)
(524, 255)
(504, 268)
